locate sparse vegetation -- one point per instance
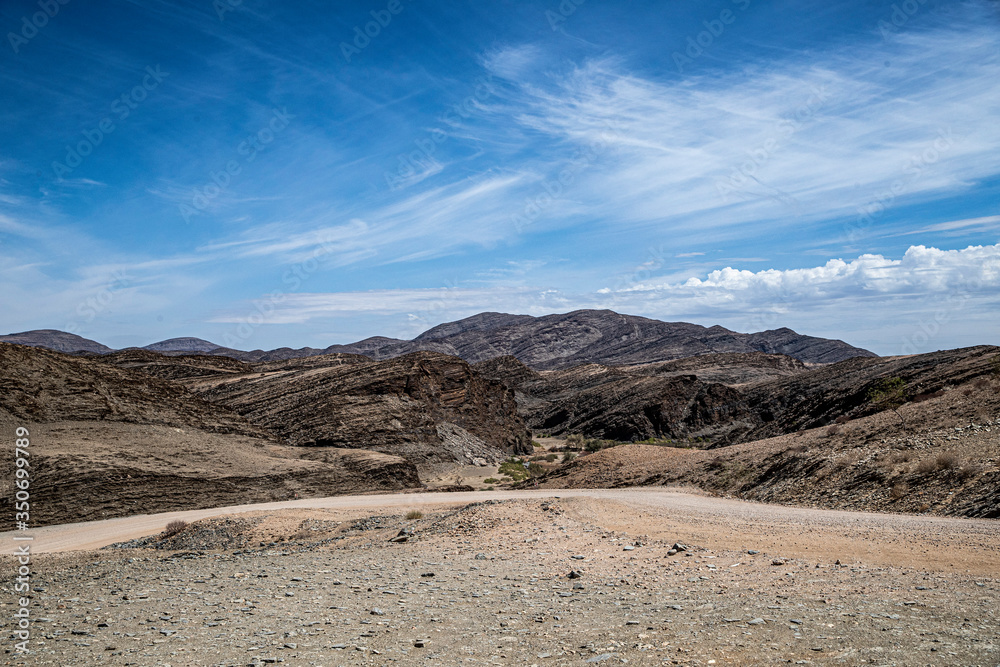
(550, 457)
(414, 514)
(174, 527)
(843, 419)
(947, 460)
(969, 470)
(889, 394)
(568, 456)
(833, 430)
(515, 469)
(536, 445)
(899, 490)
(491, 480)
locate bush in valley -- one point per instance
(899, 490)
(970, 470)
(889, 394)
(568, 456)
(414, 514)
(491, 480)
(514, 468)
(174, 527)
(550, 457)
(833, 430)
(947, 461)
(536, 445)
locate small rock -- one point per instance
(377, 612)
(480, 556)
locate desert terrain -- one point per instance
(638, 576)
(603, 498)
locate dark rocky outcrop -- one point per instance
(424, 406)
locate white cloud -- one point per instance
(810, 139)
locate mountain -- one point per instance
(186, 344)
(543, 343)
(601, 337)
(60, 341)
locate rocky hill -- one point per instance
(424, 406)
(109, 441)
(939, 454)
(60, 341)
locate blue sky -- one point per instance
(263, 174)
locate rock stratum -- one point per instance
(109, 441)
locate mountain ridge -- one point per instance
(548, 342)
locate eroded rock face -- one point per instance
(426, 407)
(108, 441)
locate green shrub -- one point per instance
(414, 514)
(568, 456)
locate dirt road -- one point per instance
(930, 543)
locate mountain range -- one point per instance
(543, 343)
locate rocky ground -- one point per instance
(540, 581)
